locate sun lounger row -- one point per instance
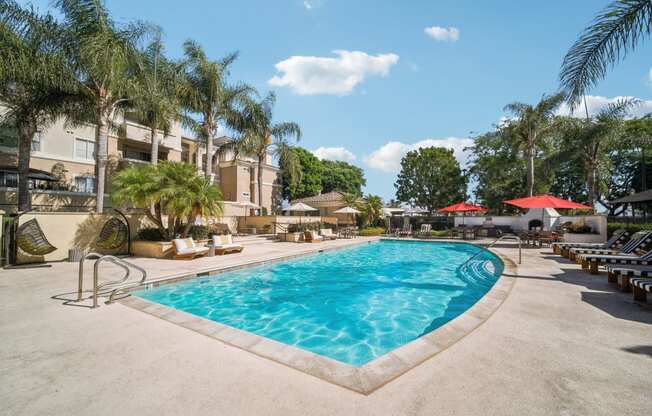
(188, 249)
(629, 266)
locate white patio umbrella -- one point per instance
(347, 210)
(247, 206)
(301, 207)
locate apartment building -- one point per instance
(62, 166)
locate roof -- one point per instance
(644, 196)
(37, 174)
(327, 197)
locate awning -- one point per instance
(36, 174)
(645, 196)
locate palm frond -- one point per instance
(616, 30)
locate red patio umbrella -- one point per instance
(545, 201)
(464, 208)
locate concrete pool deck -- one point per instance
(563, 342)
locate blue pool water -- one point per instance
(352, 305)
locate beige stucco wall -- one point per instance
(66, 230)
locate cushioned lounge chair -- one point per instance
(424, 231)
(630, 248)
(187, 249)
(327, 234)
(311, 236)
(617, 240)
(641, 254)
(224, 244)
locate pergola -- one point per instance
(639, 200)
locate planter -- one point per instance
(583, 238)
(291, 237)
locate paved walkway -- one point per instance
(563, 343)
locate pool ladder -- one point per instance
(501, 238)
(110, 288)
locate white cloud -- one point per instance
(388, 157)
(442, 34)
(594, 103)
(334, 153)
(308, 75)
(312, 4)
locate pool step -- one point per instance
(252, 239)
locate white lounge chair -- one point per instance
(327, 234)
(311, 236)
(224, 244)
(187, 249)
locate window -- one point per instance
(135, 154)
(84, 183)
(8, 137)
(84, 149)
(185, 153)
(8, 179)
(36, 142)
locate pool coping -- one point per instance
(364, 379)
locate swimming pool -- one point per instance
(352, 305)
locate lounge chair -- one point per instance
(327, 234)
(622, 274)
(617, 240)
(406, 231)
(640, 254)
(224, 244)
(424, 231)
(187, 249)
(641, 287)
(629, 247)
(311, 236)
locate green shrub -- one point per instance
(198, 232)
(631, 228)
(150, 234)
(372, 231)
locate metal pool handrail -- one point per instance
(115, 285)
(503, 237)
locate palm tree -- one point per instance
(592, 135)
(371, 208)
(156, 102)
(260, 136)
(173, 189)
(532, 124)
(37, 84)
(205, 93)
(617, 29)
(105, 55)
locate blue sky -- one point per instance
(372, 79)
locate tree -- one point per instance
(37, 83)
(430, 178)
(260, 136)
(638, 133)
(618, 29)
(310, 171)
(533, 123)
(173, 189)
(156, 102)
(342, 177)
(371, 209)
(105, 55)
(498, 168)
(205, 93)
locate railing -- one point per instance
(113, 286)
(501, 238)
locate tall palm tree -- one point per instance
(532, 124)
(105, 55)
(37, 84)
(617, 29)
(156, 102)
(260, 136)
(206, 94)
(592, 135)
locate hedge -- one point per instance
(632, 228)
(372, 231)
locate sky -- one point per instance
(368, 81)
